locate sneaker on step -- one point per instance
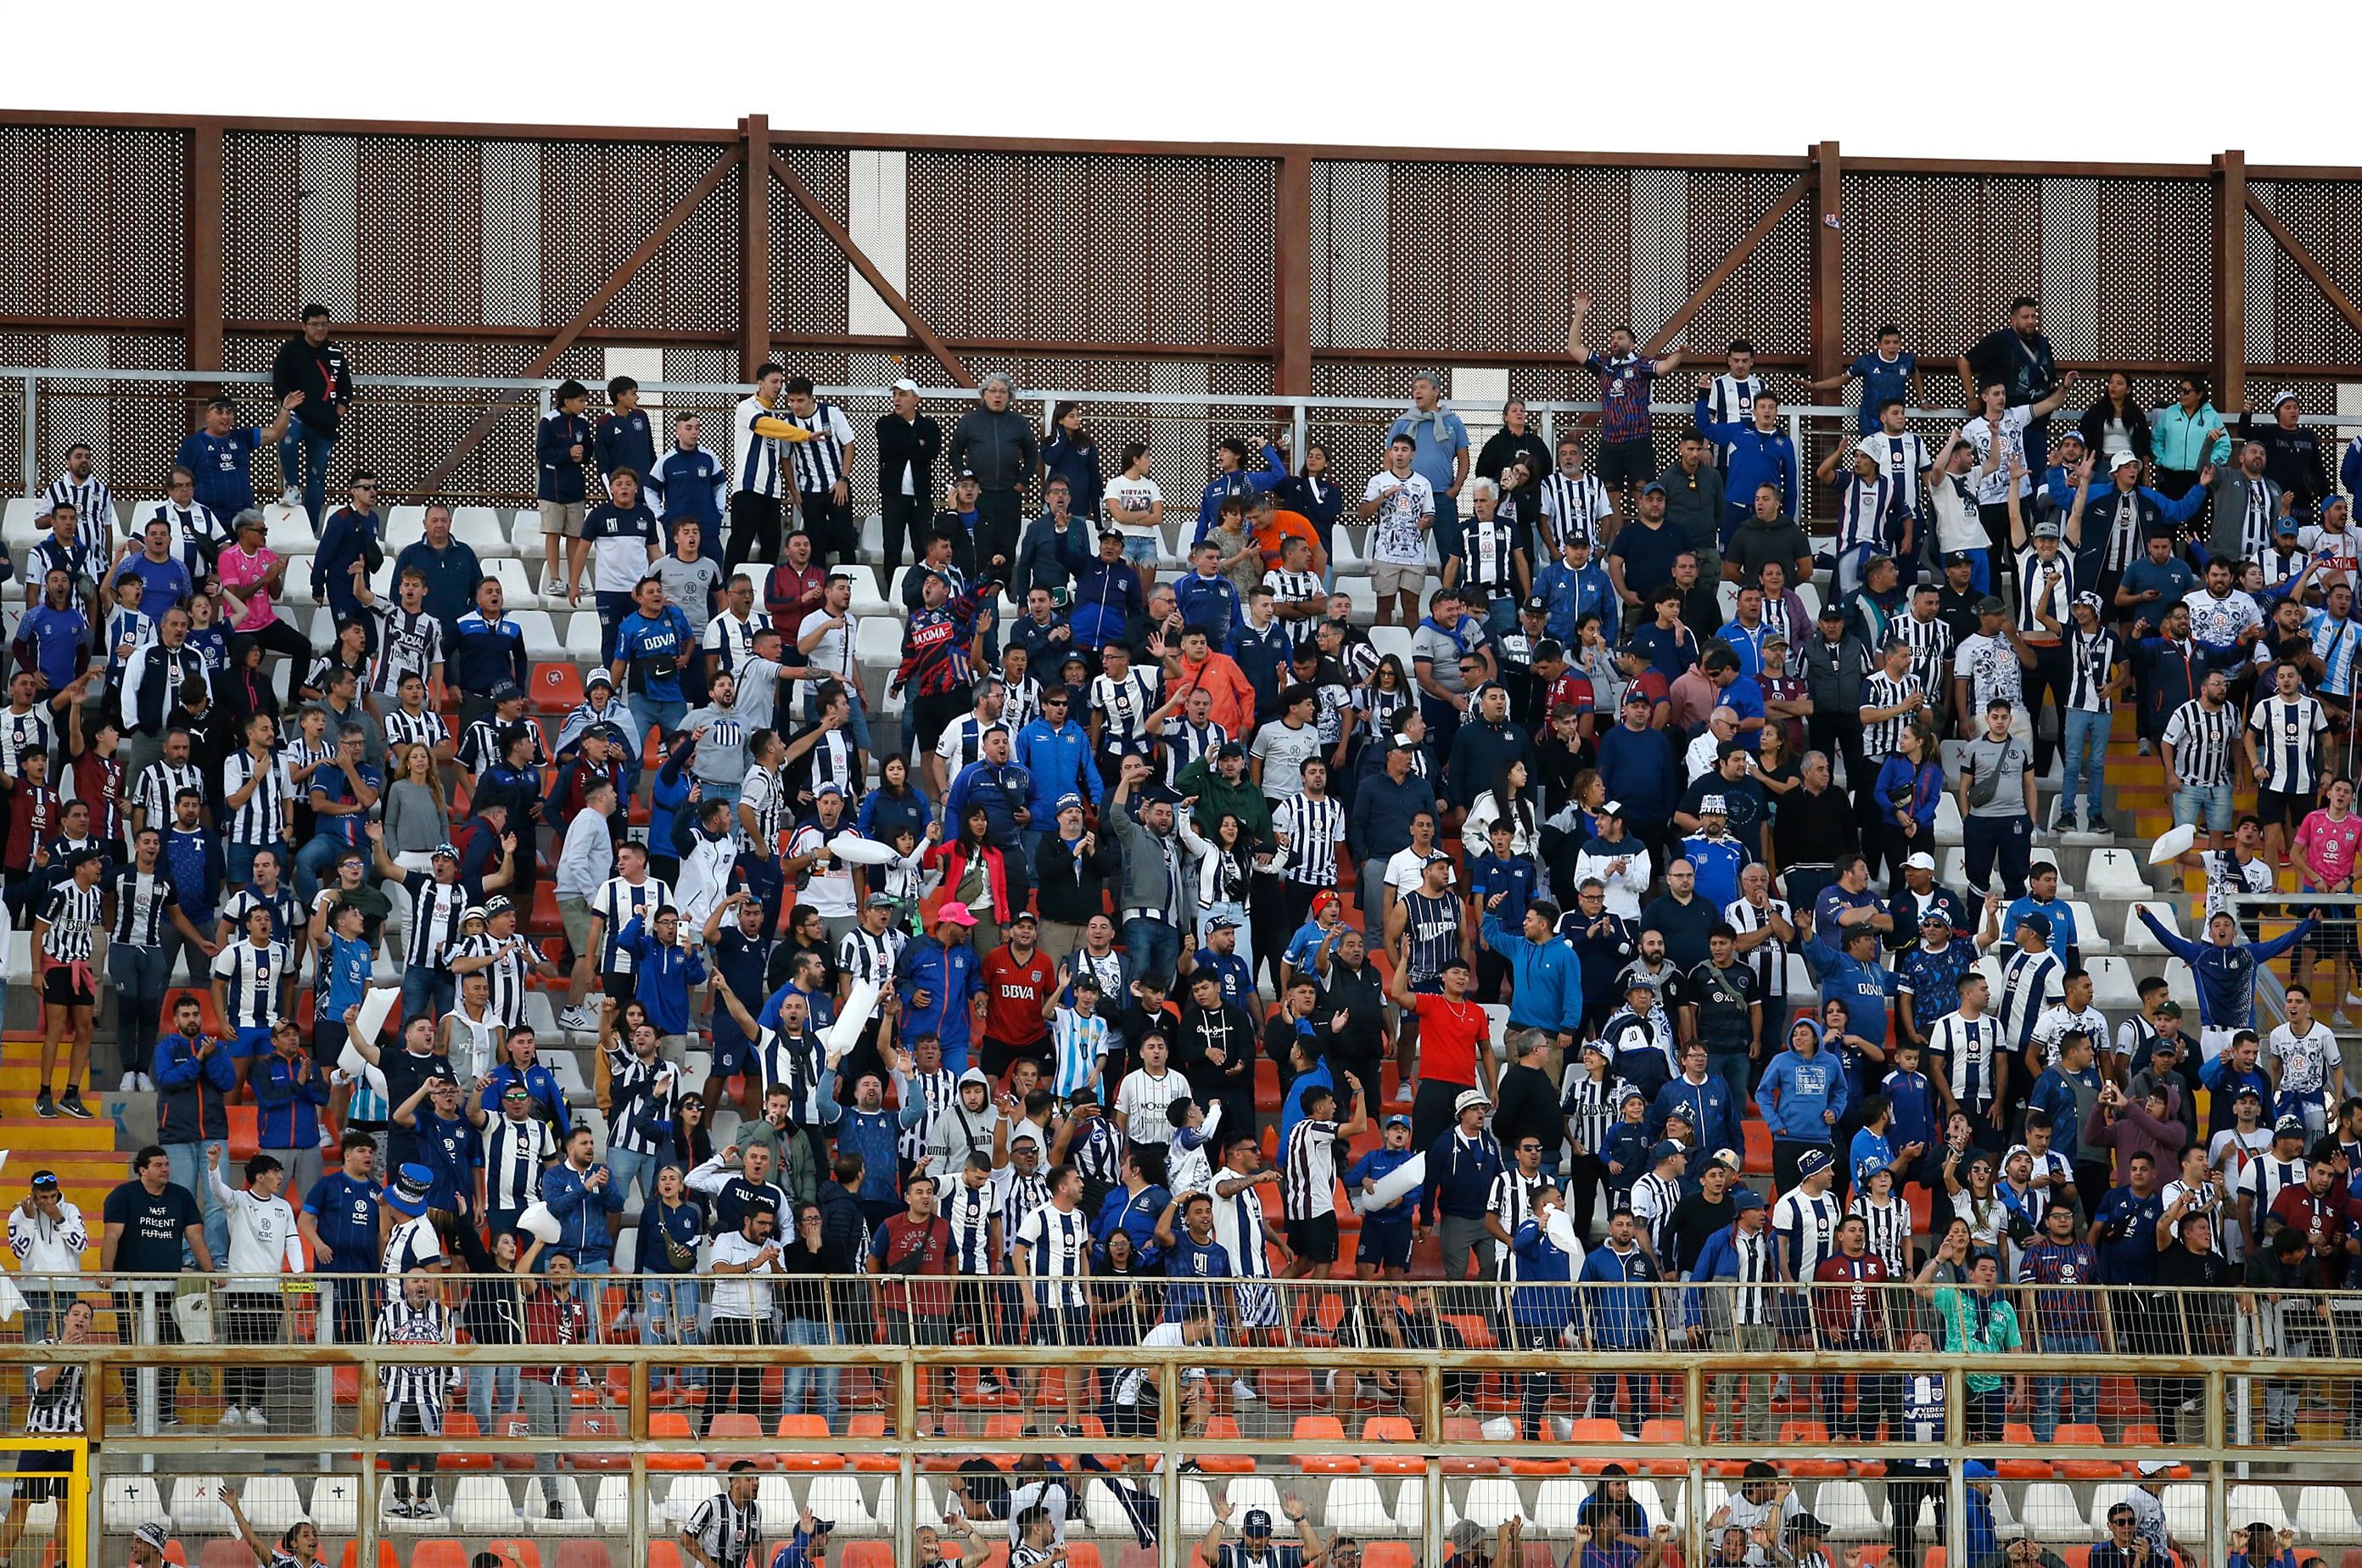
(232, 1416)
(580, 1018)
(292, 496)
(2144, 749)
(1402, 1094)
(43, 1106)
(2099, 823)
(130, 1084)
(1242, 1391)
(147, 1085)
(70, 1103)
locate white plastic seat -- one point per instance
(688, 1495)
(287, 533)
(612, 1512)
(2185, 1509)
(197, 1507)
(878, 641)
(1800, 977)
(2115, 874)
(126, 1502)
(1174, 541)
(871, 551)
(1344, 555)
(1954, 872)
(2087, 929)
(336, 1505)
(838, 1499)
(1410, 1506)
(272, 1503)
(517, 591)
(1394, 640)
(1197, 1509)
(1246, 1491)
(866, 602)
(404, 526)
(542, 643)
(1352, 1506)
(2113, 985)
(1558, 1502)
(20, 524)
(2138, 937)
(525, 532)
(566, 1068)
(482, 1505)
(889, 1489)
(1364, 598)
(571, 1518)
(1726, 599)
(1652, 1503)
(2323, 1515)
(1810, 597)
(1844, 1507)
(2050, 1512)
(1490, 1500)
(2256, 1505)
(773, 1496)
(479, 528)
(1948, 819)
(298, 587)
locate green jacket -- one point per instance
(1214, 796)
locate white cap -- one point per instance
(1922, 861)
(906, 384)
(2127, 456)
(2286, 395)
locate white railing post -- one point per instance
(32, 446)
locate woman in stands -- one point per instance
(493, 1314)
(298, 1544)
(897, 802)
(1122, 1301)
(417, 817)
(244, 690)
(1509, 800)
(975, 874)
(2116, 423)
(1388, 693)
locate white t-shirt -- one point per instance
(2305, 1061)
(1285, 752)
(1137, 494)
(1409, 867)
(1992, 486)
(619, 560)
(829, 889)
(1398, 533)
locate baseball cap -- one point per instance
(2046, 530)
(1257, 1522)
(1959, 557)
(1745, 1198)
(1977, 1469)
(956, 914)
(2153, 1467)
(964, 474)
(2169, 1010)
(2249, 1092)
(1652, 484)
(1536, 605)
(1727, 1158)
(498, 904)
(1228, 748)
(1223, 922)
(2038, 923)
(1024, 917)
(1471, 1097)
(878, 901)
(1402, 742)
(829, 787)
(1932, 915)
(1813, 1162)
(1991, 604)
(2289, 1127)
(1922, 861)
(596, 678)
(1611, 809)
(506, 691)
(1398, 1120)
(1665, 1149)
(905, 384)
(2288, 525)
(1069, 799)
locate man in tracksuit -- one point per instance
(689, 484)
(1460, 1172)
(1759, 453)
(2225, 969)
(1620, 1313)
(1056, 752)
(997, 442)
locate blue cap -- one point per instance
(1398, 1120)
(1977, 1469)
(1745, 1198)
(830, 787)
(1813, 1162)
(1665, 1149)
(1068, 800)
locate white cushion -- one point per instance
(197, 1507)
(482, 1505)
(2138, 937)
(126, 1502)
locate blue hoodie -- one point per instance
(1572, 594)
(1795, 1090)
(1757, 458)
(583, 1234)
(1712, 1111)
(1459, 1174)
(1546, 975)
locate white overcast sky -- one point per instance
(1901, 80)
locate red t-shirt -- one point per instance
(32, 818)
(1572, 691)
(99, 780)
(1448, 1033)
(921, 1250)
(1014, 993)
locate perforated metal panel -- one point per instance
(97, 221)
(2308, 329)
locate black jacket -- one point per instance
(322, 377)
(1002, 447)
(2292, 459)
(1072, 885)
(2094, 426)
(1503, 448)
(909, 444)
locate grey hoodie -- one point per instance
(959, 1131)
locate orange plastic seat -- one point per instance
(1390, 1429)
(225, 1552)
(867, 1554)
(607, 1425)
(385, 1557)
(2083, 1434)
(516, 1425)
(1594, 1431)
(1465, 1428)
(1389, 1554)
(1219, 1429)
(438, 1554)
(582, 1554)
(872, 1424)
(1324, 1429)
(808, 1428)
(1808, 1434)
(515, 1552)
(556, 688)
(664, 1554)
(739, 1425)
(458, 1425)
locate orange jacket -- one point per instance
(1234, 699)
(1282, 524)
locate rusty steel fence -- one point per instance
(1389, 1439)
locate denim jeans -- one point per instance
(188, 1163)
(2204, 805)
(2050, 1392)
(304, 456)
(427, 993)
(656, 715)
(1149, 947)
(629, 1166)
(491, 1391)
(804, 1331)
(315, 860)
(2086, 756)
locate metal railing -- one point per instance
(1811, 427)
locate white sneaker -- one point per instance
(255, 1418)
(1242, 1391)
(580, 1018)
(130, 1084)
(232, 1416)
(147, 1085)
(1402, 1094)
(292, 496)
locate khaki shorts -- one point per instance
(1388, 578)
(575, 913)
(564, 517)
